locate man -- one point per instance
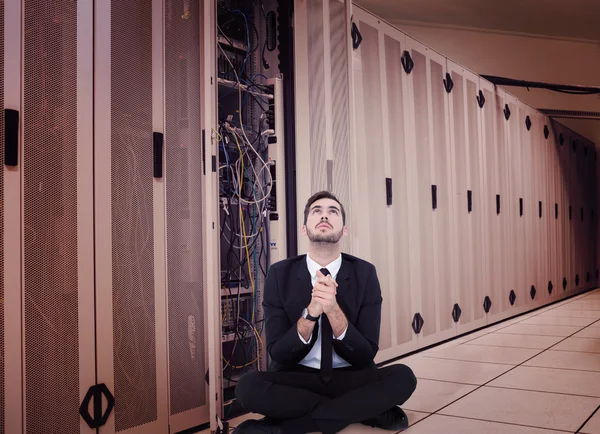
(323, 314)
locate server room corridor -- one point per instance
(538, 373)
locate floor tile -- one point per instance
(516, 341)
(456, 371)
(584, 300)
(559, 320)
(566, 360)
(586, 345)
(590, 332)
(436, 423)
(478, 353)
(432, 395)
(551, 380)
(593, 425)
(537, 409)
(541, 330)
(581, 306)
(575, 313)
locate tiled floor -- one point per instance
(536, 374)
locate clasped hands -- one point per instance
(323, 296)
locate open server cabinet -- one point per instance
(248, 141)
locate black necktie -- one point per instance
(326, 343)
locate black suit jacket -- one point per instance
(288, 291)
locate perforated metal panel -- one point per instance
(339, 107)
(184, 208)
(50, 217)
(464, 246)
(441, 218)
(476, 174)
(395, 113)
(371, 112)
(132, 214)
(316, 95)
(2, 216)
(423, 141)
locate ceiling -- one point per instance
(537, 40)
(578, 19)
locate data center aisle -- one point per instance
(538, 373)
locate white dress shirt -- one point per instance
(313, 358)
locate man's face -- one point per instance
(324, 223)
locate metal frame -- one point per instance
(277, 228)
(211, 234)
(13, 291)
(85, 201)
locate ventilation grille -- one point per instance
(316, 96)
(50, 217)
(570, 114)
(184, 209)
(2, 429)
(340, 110)
(132, 214)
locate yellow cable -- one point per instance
(242, 217)
(253, 361)
(219, 136)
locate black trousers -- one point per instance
(304, 403)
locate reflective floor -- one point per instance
(535, 374)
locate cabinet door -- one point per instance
(493, 226)
(322, 110)
(185, 216)
(517, 202)
(57, 204)
(368, 71)
(129, 215)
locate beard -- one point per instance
(319, 238)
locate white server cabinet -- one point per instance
(322, 107)
(431, 196)
(448, 311)
(469, 250)
(565, 143)
(554, 236)
(382, 130)
(517, 228)
(494, 299)
(103, 292)
(528, 272)
(151, 214)
(504, 208)
(48, 332)
(369, 73)
(402, 216)
(542, 198)
(188, 222)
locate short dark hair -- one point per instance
(322, 195)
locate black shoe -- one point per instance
(261, 426)
(393, 419)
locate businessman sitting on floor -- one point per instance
(323, 314)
